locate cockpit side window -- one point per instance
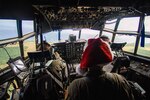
(12, 49)
(27, 26)
(29, 45)
(8, 29)
(147, 25)
(145, 51)
(129, 24)
(110, 24)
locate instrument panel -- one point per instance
(141, 68)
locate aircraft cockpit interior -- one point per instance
(46, 45)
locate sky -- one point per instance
(8, 28)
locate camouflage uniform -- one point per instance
(100, 85)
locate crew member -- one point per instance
(98, 84)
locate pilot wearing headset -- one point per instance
(97, 84)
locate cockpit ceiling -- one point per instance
(82, 16)
(60, 14)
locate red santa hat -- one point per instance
(97, 52)
(90, 40)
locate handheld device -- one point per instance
(18, 67)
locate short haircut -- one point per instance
(104, 37)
